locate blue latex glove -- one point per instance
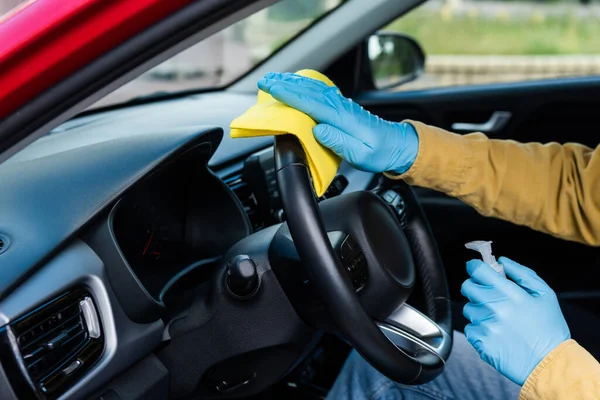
(514, 323)
(361, 138)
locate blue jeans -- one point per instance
(465, 377)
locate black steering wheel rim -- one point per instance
(394, 351)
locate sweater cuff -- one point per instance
(529, 388)
(418, 160)
(441, 161)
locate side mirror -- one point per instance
(394, 59)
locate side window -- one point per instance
(479, 42)
(8, 5)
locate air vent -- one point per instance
(336, 187)
(244, 194)
(57, 343)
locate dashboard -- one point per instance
(179, 220)
(54, 258)
(141, 204)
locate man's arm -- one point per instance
(568, 372)
(551, 188)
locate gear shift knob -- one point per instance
(242, 277)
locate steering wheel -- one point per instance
(370, 311)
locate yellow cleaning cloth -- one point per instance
(271, 117)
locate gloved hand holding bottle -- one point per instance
(361, 138)
(515, 323)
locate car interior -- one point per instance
(145, 254)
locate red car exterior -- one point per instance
(45, 41)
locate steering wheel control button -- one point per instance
(355, 262)
(395, 200)
(390, 196)
(242, 277)
(347, 248)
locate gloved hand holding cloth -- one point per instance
(271, 117)
(361, 138)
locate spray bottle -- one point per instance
(485, 248)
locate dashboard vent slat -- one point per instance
(52, 338)
(244, 194)
(47, 327)
(50, 342)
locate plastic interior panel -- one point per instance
(78, 266)
(46, 210)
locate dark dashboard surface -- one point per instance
(209, 109)
(61, 183)
(178, 220)
(153, 195)
(88, 162)
(84, 164)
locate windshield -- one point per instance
(227, 55)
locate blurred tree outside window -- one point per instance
(487, 41)
(7, 5)
(229, 54)
(296, 10)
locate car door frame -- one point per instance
(101, 74)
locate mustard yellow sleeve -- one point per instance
(550, 187)
(568, 372)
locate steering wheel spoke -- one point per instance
(417, 335)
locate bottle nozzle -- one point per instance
(485, 248)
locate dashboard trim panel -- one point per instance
(88, 175)
(78, 265)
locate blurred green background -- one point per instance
(551, 29)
